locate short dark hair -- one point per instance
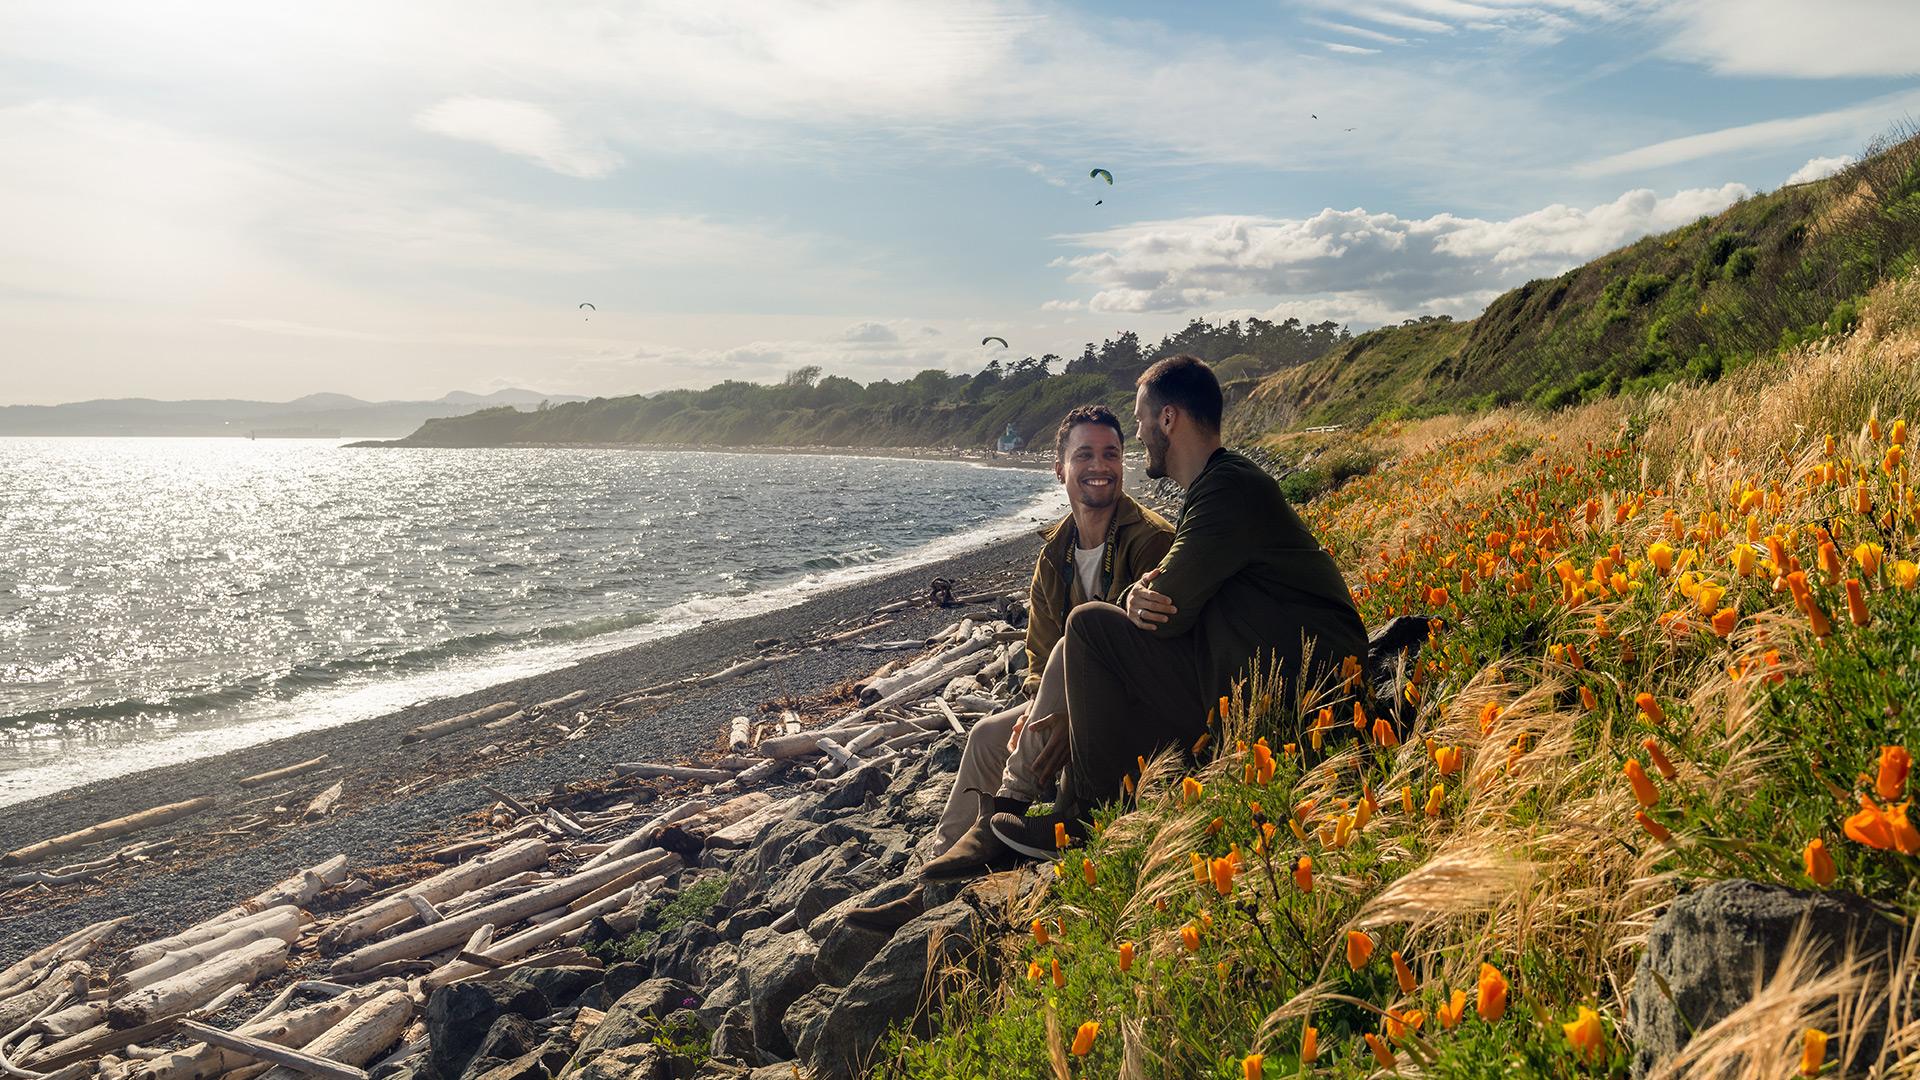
(1188, 384)
(1085, 414)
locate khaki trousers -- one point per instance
(998, 758)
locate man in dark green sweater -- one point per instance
(1244, 584)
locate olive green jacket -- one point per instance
(1141, 539)
(1248, 578)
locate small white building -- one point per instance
(1008, 441)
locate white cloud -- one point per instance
(1841, 39)
(1818, 169)
(1062, 305)
(1361, 266)
(523, 129)
(869, 332)
(1355, 31)
(1858, 122)
(1351, 50)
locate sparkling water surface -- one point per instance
(161, 599)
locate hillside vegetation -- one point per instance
(933, 408)
(1691, 304)
(1678, 644)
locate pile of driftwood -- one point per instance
(527, 891)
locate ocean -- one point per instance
(167, 599)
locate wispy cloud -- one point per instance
(1842, 39)
(1853, 123)
(1351, 50)
(523, 129)
(1354, 31)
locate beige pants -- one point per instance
(999, 756)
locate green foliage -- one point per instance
(696, 901)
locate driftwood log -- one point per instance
(283, 923)
(141, 955)
(645, 769)
(355, 1041)
(288, 773)
(560, 702)
(496, 955)
(456, 723)
(106, 830)
(293, 1029)
(199, 985)
(426, 940)
(262, 1050)
(299, 890)
(28, 970)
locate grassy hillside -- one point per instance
(1690, 304)
(1712, 584)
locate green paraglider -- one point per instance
(589, 307)
(1001, 340)
(1101, 174)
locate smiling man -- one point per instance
(1103, 545)
(1244, 583)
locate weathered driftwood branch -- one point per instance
(457, 723)
(198, 985)
(203, 1061)
(288, 773)
(283, 922)
(560, 702)
(744, 832)
(106, 830)
(323, 803)
(355, 1041)
(429, 939)
(24, 1006)
(838, 754)
(645, 769)
(299, 890)
(646, 835)
(739, 734)
(141, 955)
(887, 686)
(261, 1050)
(512, 948)
(423, 908)
(494, 866)
(27, 970)
(918, 688)
(743, 667)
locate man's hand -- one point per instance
(1059, 749)
(1148, 609)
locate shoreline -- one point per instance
(1019, 459)
(398, 799)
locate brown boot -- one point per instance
(977, 851)
(888, 917)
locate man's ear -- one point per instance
(1060, 469)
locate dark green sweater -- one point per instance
(1248, 577)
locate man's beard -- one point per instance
(1156, 444)
(1099, 500)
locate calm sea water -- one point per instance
(162, 599)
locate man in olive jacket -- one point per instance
(1103, 545)
(1245, 583)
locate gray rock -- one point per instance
(785, 1070)
(737, 924)
(511, 1036)
(845, 951)
(826, 867)
(720, 998)
(619, 979)
(641, 1061)
(807, 1016)
(886, 892)
(544, 1061)
(636, 1016)
(890, 989)
(864, 781)
(562, 986)
(459, 1018)
(1704, 953)
(733, 1036)
(680, 951)
(775, 969)
(720, 1070)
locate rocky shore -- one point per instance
(687, 868)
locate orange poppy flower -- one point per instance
(1819, 862)
(1452, 1009)
(1303, 873)
(1126, 955)
(1643, 790)
(1491, 1002)
(1083, 1039)
(1587, 1034)
(1359, 949)
(1891, 781)
(1660, 760)
(1403, 974)
(1813, 1051)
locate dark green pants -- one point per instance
(1130, 694)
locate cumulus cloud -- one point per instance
(1819, 168)
(1847, 39)
(523, 129)
(1367, 266)
(869, 332)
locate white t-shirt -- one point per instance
(1086, 565)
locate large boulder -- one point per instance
(775, 969)
(636, 1016)
(892, 987)
(460, 1016)
(1709, 950)
(641, 1061)
(561, 986)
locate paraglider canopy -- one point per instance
(1001, 340)
(588, 306)
(1101, 174)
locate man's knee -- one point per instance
(1095, 621)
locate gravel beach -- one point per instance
(213, 865)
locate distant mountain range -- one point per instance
(318, 415)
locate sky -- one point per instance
(263, 199)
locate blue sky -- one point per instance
(265, 200)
